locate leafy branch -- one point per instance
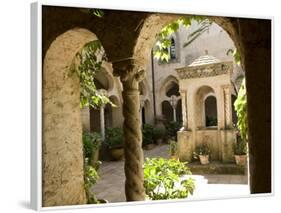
(91, 58)
(163, 42)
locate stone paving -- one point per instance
(110, 186)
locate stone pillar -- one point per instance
(183, 107)
(256, 38)
(130, 76)
(173, 102)
(102, 128)
(227, 106)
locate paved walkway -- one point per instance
(110, 186)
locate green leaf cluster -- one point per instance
(163, 42)
(91, 143)
(91, 177)
(167, 179)
(240, 106)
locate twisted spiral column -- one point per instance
(134, 188)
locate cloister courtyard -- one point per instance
(142, 106)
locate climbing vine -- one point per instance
(91, 58)
(241, 109)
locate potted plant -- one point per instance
(173, 149)
(167, 179)
(115, 143)
(202, 152)
(240, 152)
(147, 137)
(158, 135)
(91, 143)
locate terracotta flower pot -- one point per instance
(240, 160)
(204, 159)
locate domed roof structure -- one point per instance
(203, 60)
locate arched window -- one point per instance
(173, 54)
(211, 111)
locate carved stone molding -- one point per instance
(203, 71)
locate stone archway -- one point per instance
(131, 53)
(62, 137)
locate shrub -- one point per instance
(91, 177)
(172, 127)
(114, 137)
(91, 143)
(147, 134)
(166, 179)
(158, 133)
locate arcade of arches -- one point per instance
(184, 96)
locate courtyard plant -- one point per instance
(114, 140)
(91, 143)
(202, 152)
(167, 179)
(147, 136)
(90, 177)
(158, 135)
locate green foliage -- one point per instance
(158, 133)
(173, 147)
(147, 134)
(165, 179)
(202, 149)
(240, 106)
(163, 41)
(96, 12)
(172, 127)
(91, 142)
(91, 177)
(240, 147)
(114, 137)
(91, 57)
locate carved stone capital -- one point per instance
(130, 73)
